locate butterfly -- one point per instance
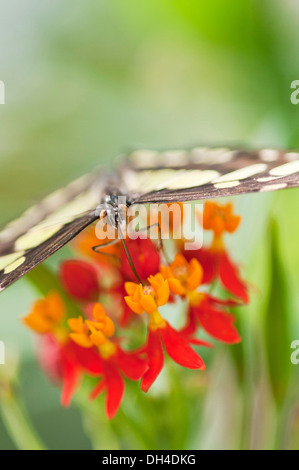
(144, 176)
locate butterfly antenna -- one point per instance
(129, 256)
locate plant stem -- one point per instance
(17, 423)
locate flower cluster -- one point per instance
(106, 325)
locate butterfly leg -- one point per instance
(99, 248)
(161, 244)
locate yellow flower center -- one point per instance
(147, 298)
(148, 290)
(195, 298)
(89, 333)
(156, 321)
(183, 276)
(217, 244)
(181, 272)
(107, 349)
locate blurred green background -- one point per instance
(85, 81)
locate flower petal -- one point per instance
(76, 324)
(163, 293)
(115, 387)
(191, 325)
(148, 303)
(55, 306)
(175, 286)
(218, 324)
(80, 279)
(97, 338)
(208, 260)
(131, 364)
(130, 287)
(70, 378)
(179, 261)
(134, 306)
(97, 390)
(201, 342)
(179, 349)
(49, 357)
(38, 323)
(156, 281)
(196, 276)
(155, 354)
(81, 339)
(146, 259)
(69, 384)
(230, 277)
(88, 359)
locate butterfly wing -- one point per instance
(48, 226)
(204, 173)
(16, 264)
(148, 177)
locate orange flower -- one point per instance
(47, 314)
(220, 218)
(183, 276)
(90, 333)
(147, 298)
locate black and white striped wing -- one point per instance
(47, 227)
(16, 264)
(205, 173)
(146, 177)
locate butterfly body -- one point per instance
(146, 176)
(114, 208)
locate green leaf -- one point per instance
(277, 337)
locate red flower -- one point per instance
(83, 281)
(147, 299)
(217, 265)
(121, 363)
(177, 347)
(82, 340)
(111, 361)
(80, 279)
(66, 363)
(146, 259)
(217, 323)
(215, 261)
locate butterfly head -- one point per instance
(114, 209)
